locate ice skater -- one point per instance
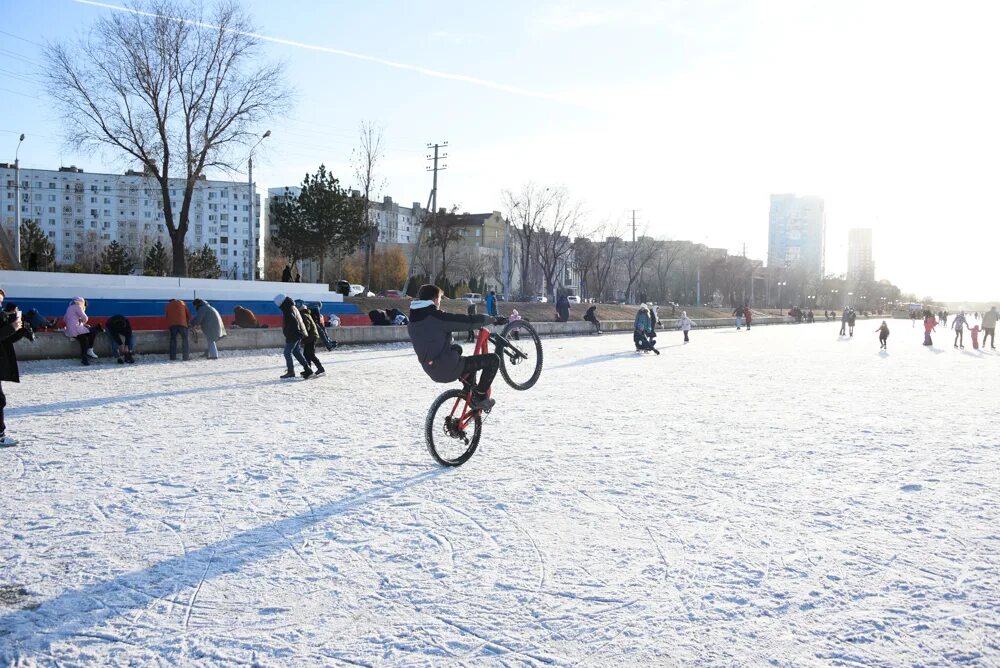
(852, 317)
(11, 329)
(748, 316)
(959, 324)
(974, 334)
(990, 328)
(883, 335)
(685, 324)
(738, 312)
(843, 322)
(294, 331)
(930, 325)
(309, 341)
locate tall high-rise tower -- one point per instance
(860, 266)
(797, 234)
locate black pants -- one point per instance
(3, 404)
(883, 340)
(596, 323)
(489, 364)
(309, 352)
(86, 342)
(685, 336)
(990, 333)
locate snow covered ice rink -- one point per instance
(776, 496)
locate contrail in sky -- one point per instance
(485, 83)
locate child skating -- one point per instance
(883, 335)
(685, 324)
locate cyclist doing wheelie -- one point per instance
(430, 331)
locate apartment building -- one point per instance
(82, 212)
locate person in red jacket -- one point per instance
(930, 324)
(748, 316)
(178, 319)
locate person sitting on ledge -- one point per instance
(245, 318)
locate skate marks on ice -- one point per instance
(30, 631)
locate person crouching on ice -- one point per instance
(430, 331)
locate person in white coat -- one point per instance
(685, 324)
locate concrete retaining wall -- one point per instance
(49, 345)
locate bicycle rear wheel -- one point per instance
(451, 429)
(521, 360)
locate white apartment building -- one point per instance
(396, 224)
(81, 213)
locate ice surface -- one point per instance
(781, 495)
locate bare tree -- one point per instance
(638, 254)
(554, 238)
(585, 254)
(526, 212)
(664, 261)
(366, 158)
(166, 86)
(608, 253)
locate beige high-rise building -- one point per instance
(860, 266)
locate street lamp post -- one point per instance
(253, 246)
(780, 285)
(17, 198)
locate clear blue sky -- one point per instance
(692, 112)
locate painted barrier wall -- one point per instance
(48, 345)
(143, 299)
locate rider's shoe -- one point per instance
(481, 402)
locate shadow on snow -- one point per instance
(33, 630)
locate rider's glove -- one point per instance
(499, 320)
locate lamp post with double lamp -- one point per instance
(17, 198)
(780, 284)
(833, 298)
(849, 295)
(253, 244)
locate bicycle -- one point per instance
(453, 435)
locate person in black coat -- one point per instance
(119, 330)
(11, 329)
(379, 317)
(591, 317)
(430, 332)
(294, 330)
(562, 308)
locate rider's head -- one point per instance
(430, 292)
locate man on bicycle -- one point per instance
(430, 331)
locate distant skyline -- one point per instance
(693, 113)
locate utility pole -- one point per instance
(431, 203)
(633, 225)
(252, 273)
(17, 197)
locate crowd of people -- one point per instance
(985, 324)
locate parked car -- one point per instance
(541, 299)
(392, 294)
(573, 299)
(473, 297)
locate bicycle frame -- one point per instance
(483, 339)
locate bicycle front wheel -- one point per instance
(452, 429)
(521, 357)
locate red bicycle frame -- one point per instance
(482, 348)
